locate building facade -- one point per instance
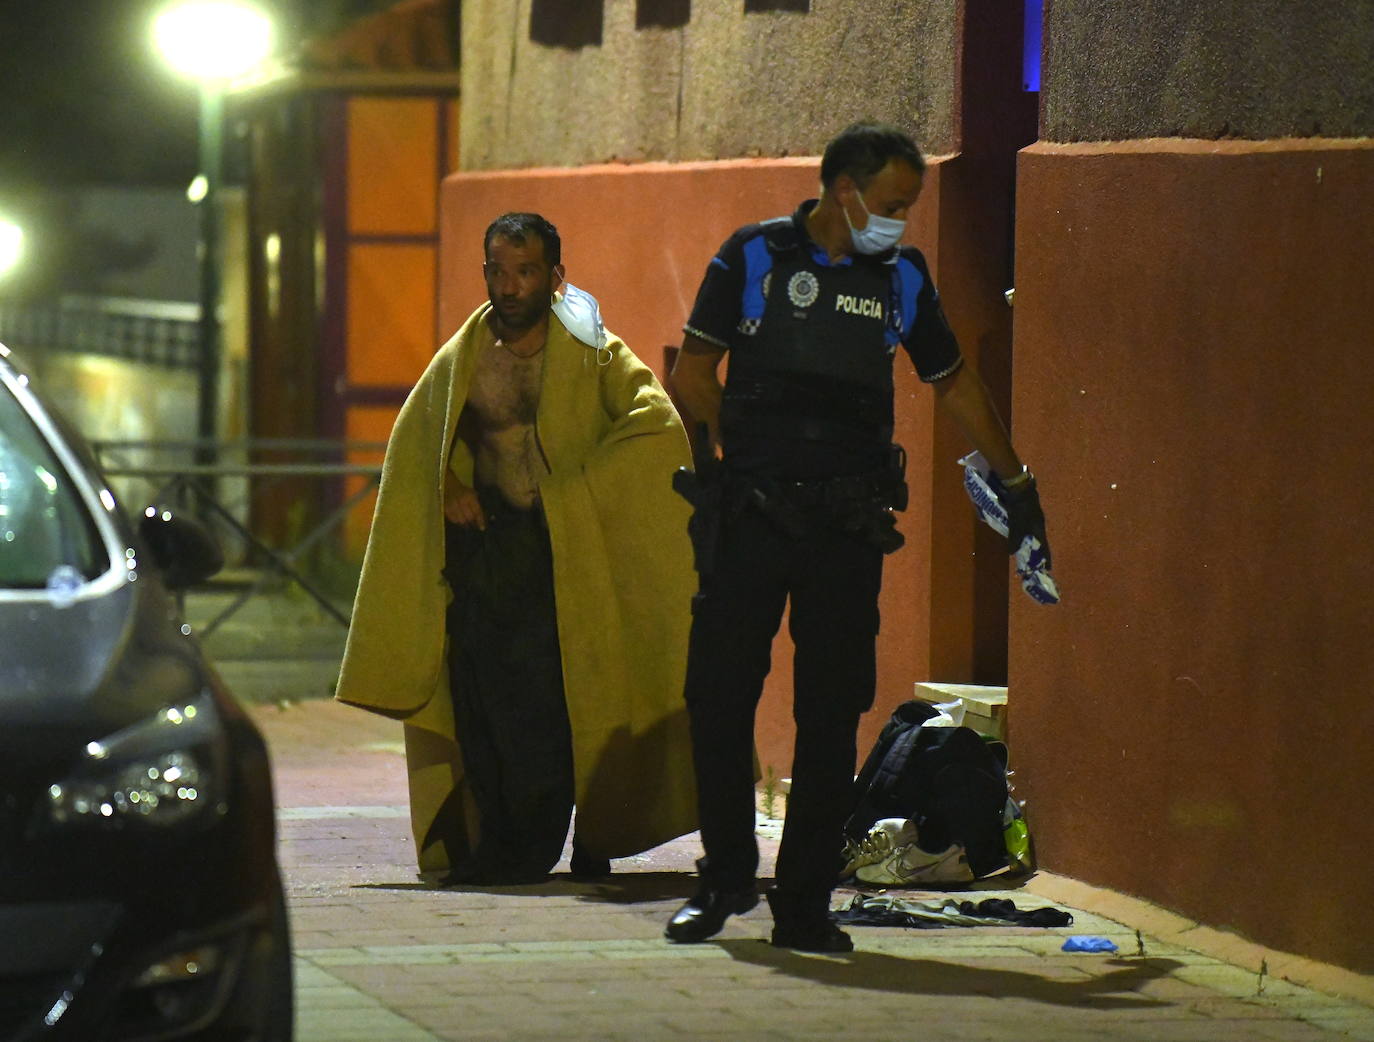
(1183, 210)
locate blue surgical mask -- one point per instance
(879, 235)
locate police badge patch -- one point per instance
(803, 289)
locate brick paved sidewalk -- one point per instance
(382, 957)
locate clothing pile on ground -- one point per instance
(932, 805)
(891, 910)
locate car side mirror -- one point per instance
(182, 548)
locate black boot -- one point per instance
(583, 865)
(705, 914)
(805, 924)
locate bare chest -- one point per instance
(504, 391)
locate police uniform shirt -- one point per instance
(808, 391)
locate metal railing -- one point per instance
(202, 488)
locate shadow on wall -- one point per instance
(579, 23)
(566, 23)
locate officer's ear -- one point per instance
(847, 193)
(556, 277)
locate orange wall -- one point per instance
(390, 155)
(1192, 724)
(639, 238)
(390, 225)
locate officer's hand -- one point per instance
(1024, 517)
(461, 505)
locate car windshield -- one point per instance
(47, 536)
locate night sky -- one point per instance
(91, 120)
(85, 100)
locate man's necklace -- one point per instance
(518, 354)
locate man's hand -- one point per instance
(461, 505)
(1024, 516)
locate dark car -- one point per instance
(140, 896)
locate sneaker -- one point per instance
(910, 864)
(886, 835)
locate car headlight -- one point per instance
(160, 772)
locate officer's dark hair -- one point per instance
(863, 149)
(519, 227)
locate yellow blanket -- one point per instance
(623, 582)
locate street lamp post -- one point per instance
(211, 42)
(211, 171)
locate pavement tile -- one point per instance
(1361, 1030)
(340, 998)
(351, 1028)
(383, 957)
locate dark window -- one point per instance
(662, 14)
(566, 23)
(754, 6)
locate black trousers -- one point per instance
(832, 579)
(506, 674)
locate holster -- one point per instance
(705, 493)
(704, 488)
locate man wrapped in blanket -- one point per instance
(525, 595)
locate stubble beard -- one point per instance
(515, 324)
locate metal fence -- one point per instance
(222, 492)
(219, 481)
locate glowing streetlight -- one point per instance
(11, 246)
(212, 42)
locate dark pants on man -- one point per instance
(832, 579)
(506, 674)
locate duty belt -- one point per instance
(845, 488)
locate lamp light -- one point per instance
(11, 245)
(213, 40)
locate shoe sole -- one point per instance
(812, 949)
(822, 948)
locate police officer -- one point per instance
(811, 309)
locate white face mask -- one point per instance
(581, 314)
(879, 235)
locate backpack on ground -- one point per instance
(941, 796)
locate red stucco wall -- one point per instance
(1192, 376)
(639, 237)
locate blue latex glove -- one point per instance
(1032, 552)
(1086, 943)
